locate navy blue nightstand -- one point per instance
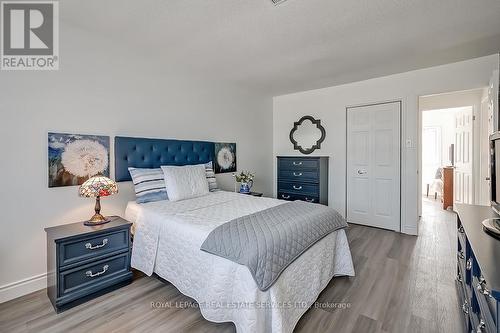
(85, 262)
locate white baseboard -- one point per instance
(410, 230)
(22, 287)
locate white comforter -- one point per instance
(167, 241)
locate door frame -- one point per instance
(401, 114)
(476, 111)
(484, 190)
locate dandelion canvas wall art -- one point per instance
(225, 157)
(74, 158)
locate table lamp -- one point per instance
(97, 187)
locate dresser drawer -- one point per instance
(75, 251)
(292, 197)
(461, 236)
(297, 164)
(90, 277)
(487, 304)
(299, 175)
(464, 304)
(462, 262)
(299, 188)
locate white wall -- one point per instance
(454, 99)
(329, 105)
(444, 121)
(106, 89)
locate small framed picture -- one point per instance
(225, 157)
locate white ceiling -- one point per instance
(298, 45)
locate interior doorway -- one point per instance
(453, 142)
(447, 155)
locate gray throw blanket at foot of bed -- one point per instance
(270, 240)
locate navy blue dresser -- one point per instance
(84, 262)
(303, 178)
(478, 270)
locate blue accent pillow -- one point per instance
(149, 185)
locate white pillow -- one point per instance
(184, 182)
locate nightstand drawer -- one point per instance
(90, 277)
(71, 252)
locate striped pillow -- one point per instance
(149, 185)
(212, 182)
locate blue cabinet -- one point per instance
(478, 278)
(303, 178)
(84, 262)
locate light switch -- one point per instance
(408, 143)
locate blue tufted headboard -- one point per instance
(153, 153)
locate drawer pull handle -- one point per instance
(93, 247)
(310, 200)
(297, 187)
(465, 307)
(297, 174)
(481, 326)
(469, 264)
(361, 172)
(92, 275)
(461, 255)
(285, 196)
(297, 163)
(482, 289)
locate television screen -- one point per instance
(497, 172)
(496, 188)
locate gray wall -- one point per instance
(107, 89)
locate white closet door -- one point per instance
(373, 165)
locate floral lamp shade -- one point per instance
(97, 187)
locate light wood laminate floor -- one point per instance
(402, 284)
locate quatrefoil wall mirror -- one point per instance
(307, 134)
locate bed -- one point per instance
(167, 240)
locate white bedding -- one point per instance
(167, 241)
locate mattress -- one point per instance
(167, 240)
